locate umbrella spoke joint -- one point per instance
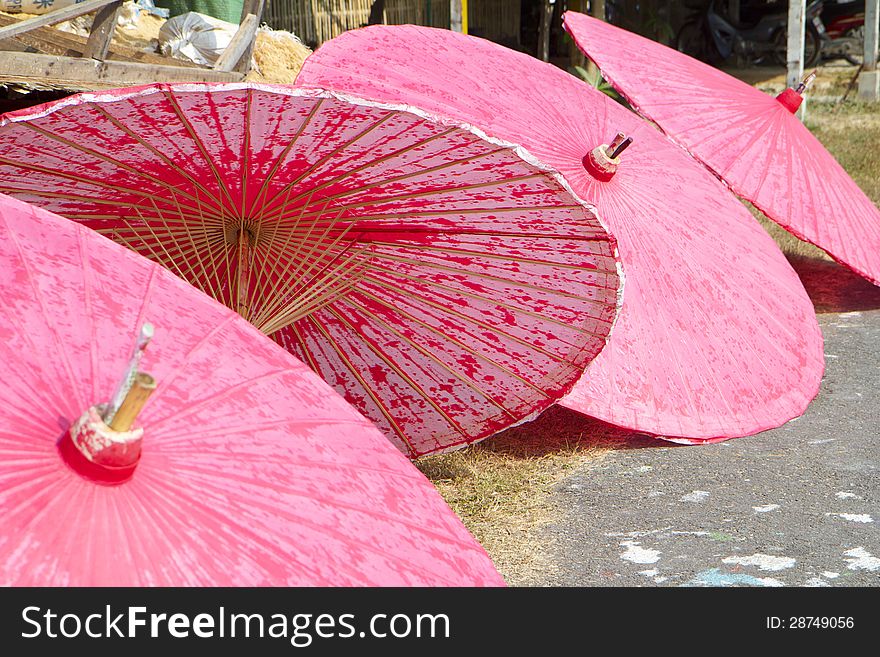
(102, 444)
(602, 161)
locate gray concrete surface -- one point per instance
(795, 506)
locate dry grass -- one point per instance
(278, 56)
(502, 488)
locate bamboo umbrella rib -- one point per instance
(140, 173)
(471, 295)
(439, 213)
(380, 160)
(304, 352)
(321, 292)
(306, 257)
(118, 189)
(246, 149)
(164, 240)
(167, 161)
(206, 272)
(428, 194)
(269, 246)
(161, 255)
(208, 240)
(467, 318)
(389, 181)
(393, 366)
(488, 277)
(268, 205)
(197, 142)
(282, 156)
(322, 288)
(404, 230)
(279, 279)
(461, 345)
(495, 255)
(383, 159)
(340, 353)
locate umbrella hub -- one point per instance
(791, 99)
(103, 445)
(97, 452)
(602, 161)
(236, 231)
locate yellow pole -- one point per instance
(464, 17)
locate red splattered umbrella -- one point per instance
(753, 141)
(243, 468)
(716, 336)
(447, 284)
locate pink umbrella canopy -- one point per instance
(447, 284)
(753, 141)
(252, 471)
(716, 337)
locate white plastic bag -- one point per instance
(196, 37)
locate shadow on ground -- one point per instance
(558, 429)
(834, 288)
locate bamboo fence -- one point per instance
(316, 21)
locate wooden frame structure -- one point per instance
(68, 61)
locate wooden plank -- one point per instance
(254, 7)
(51, 41)
(242, 40)
(76, 72)
(52, 17)
(101, 32)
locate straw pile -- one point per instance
(278, 57)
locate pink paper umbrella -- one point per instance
(716, 337)
(244, 468)
(447, 284)
(753, 141)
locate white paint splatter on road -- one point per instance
(816, 582)
(846, 495)
(767, 508)
(863, 518)
(762, 561)
(860, 559)
(637, 554)
(829, 575)
(695, 496)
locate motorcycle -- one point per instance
(759, 37)
(845, 26)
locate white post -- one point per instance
(455, 15)
(795, 48)
(544, 30)
(869, 80)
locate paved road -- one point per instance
(796, 506)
